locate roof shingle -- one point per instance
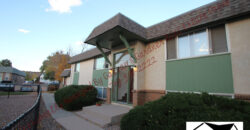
(213, 12)
(65, 73)
(12, 70)
(86, 55)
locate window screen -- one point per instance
(171, 49)
(218, 39)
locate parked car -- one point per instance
(53, 86)
(7, 86)
(26, 88)
(28, 82)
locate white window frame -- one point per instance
(228, 38)
(230, 95)
(76, 67)
(177, 45)
(104, 66)
(102, 87)
(166, 49)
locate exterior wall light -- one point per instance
(135, 69)
(110, 71)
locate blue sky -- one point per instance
(30, 30)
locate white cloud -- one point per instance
(63, 6)
(79, 43)
(77, 47)
(23, 30)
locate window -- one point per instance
(7, 76)
(77, 67)
(171, 49)
(100, 63)
(195, 44)
(218, 39)
(101, 92)
(123, 59)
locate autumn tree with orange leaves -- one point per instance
(54, 65)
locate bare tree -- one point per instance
(84, 46)
(70, 51)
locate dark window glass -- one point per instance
(218, 39)
(171, 49)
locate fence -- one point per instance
(29, 119)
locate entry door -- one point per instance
(122, 85)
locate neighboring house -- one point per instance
(66, 77)
(204, 50)
(12, 74)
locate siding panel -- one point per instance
(100, 77)
(204, 74)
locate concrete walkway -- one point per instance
(68, 120)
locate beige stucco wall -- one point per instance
(139, 76)
(155, 74)
(86, 72)
(68, 81)
(239, 42)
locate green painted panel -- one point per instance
(76, 78)
(204, 74)
(100, 77)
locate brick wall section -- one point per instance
(141, 97)
(242, 97)
(108, 100)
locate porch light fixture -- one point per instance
(110, 71)
(135, 68)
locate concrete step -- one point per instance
(94, 119)
(105, 115)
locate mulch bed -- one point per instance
(14, 106)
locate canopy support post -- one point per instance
(103, 54)
(130, 51)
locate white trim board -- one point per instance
(218, 94)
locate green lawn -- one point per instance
(13, 93)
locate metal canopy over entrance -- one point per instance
(111, 38)
(115, 37)
(119, 31)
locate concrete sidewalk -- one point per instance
(68, 120)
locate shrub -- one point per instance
(173, 110)
(74, 97)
